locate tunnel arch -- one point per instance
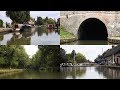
(92, 29)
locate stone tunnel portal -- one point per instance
(92, 29)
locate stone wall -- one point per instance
(72, 20)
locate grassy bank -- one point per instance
(65, 35)
(2, 71)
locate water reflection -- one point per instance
(67, 73)
(89, 42)
(109, 72)
(1, 37)
(73, 72)
(34, 36)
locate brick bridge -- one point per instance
(91, 24)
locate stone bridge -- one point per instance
(91, 24)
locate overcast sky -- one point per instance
(34, 14)
(31, 49)
(90, 51)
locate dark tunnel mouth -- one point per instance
(92, 29)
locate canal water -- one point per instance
(34, 36)
(89, 42)
(68, 73)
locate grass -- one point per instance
(65, 35)
(10, 70)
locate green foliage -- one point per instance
(69, 58)
(80, 58)
(48, 56)
(13, 56)
(39, 21)
(18, 16)
(45, 21)
(50, 21)
(1, 23)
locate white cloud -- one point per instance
(90, 51)
(31, 49)
(4, 18)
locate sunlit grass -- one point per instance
(65, 35)
(10, 70)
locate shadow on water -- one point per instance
(34, 36)
(109, 73)
(73, 72)
(67, 73)
(89, 42)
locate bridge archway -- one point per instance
(92, 29)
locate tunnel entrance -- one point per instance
(92, 29)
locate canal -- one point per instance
(89, 42)
(68, 73)
(35, 36)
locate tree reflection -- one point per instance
(109, 73)
(1, 37)
(42, 29)
(20, 39)
(73, 72)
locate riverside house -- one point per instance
(112, 56)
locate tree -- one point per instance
(45, 20)
(80, 58)
(69, 58)
(13, 56)
(98, 59)
(58, 21)
(39, 21)
(18, 16)
(50, 21)
(63, 56)
(47, 57)
(1, 23)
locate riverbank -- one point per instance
(66, 37)
(112, 66)
(2, 71)
(5, 30)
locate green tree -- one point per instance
(69, 58)
(80, 58)
(45, 20)
(48, 56)
(1, 23)
(39, 21)
(18, 16)
(13, 56)
(50, 21)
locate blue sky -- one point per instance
(90, 51)
(34, 14)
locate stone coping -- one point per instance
(62, 41)
(114, 40)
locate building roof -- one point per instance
(112, 51)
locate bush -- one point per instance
(1, 23)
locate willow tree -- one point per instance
(18, 16)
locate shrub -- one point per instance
(1, 23)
